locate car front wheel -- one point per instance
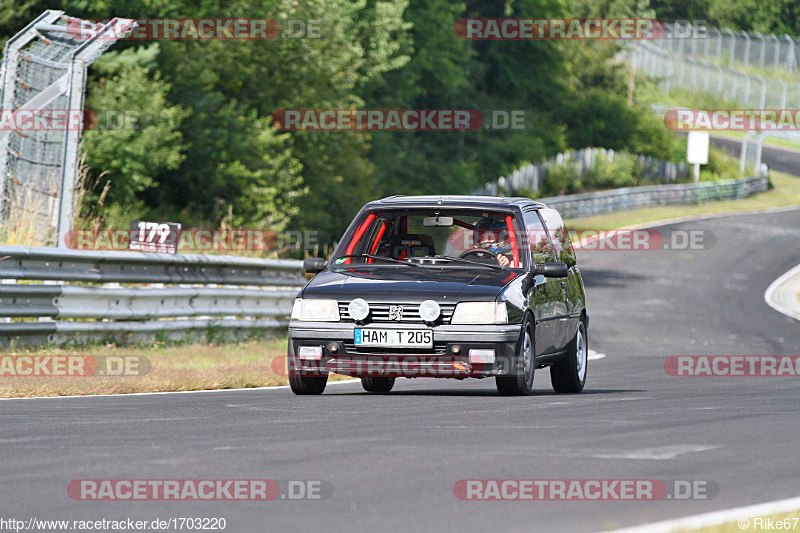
(569, 374)
(520, 382)
(302, 385)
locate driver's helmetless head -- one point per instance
(487, 238)
(492, 234)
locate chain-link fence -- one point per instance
(43, 79)
(673, 70)
(728, 47)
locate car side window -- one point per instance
(536, 238)
(559, 236)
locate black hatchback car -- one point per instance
(444, 286)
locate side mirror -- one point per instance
(551, 270)
(314, 265)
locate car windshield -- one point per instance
(441, 237)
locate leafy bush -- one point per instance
(720, 166)
(622, 171)
(561, 178)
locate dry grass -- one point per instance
(26, 223)
(181, 367)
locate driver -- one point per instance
(492, 236)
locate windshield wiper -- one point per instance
(380, 257)
(460, 260)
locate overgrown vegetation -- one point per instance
(203, 151)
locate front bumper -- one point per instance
(448, 358)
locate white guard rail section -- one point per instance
(165, 296)
(598, 203)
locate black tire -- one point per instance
(569, 374)
(308, 384)
(377, 384)
(520, 381)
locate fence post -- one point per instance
(783, 94)
(746, 87)
(746, 47)
(719, 44)
(759, 143)
(776, 57)
(735, 78)
(763, 99)
(763, 50)
(707, 70)
(732, 56)
(743, 152)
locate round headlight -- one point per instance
(358, 309)
(429, 310)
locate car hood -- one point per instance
(408, 284)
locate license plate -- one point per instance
(394, 338)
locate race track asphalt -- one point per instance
(777, 158)
(393, 460)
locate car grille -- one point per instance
(439, 348)
(379, 313)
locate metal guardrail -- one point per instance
(588, 204)
(532, 176)
(255, 295)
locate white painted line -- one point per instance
(169, 392)
(655, 454)
(715, 518)
(790, 298)
(595, 355)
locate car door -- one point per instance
(571, 286)
(546, 297)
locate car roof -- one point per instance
(455, 200)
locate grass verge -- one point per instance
(173, 367)
(756, 524)
(785, 192)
